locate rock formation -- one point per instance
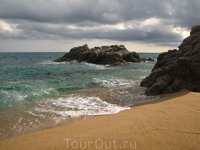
(177, 69)
(147, 60)
(111, 55)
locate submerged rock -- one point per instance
(177, 69)
(111, 55)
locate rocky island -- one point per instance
(104, 55)
(177, 69)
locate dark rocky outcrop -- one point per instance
(111, 55)
(147, 60)
(177, 69)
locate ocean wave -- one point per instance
(75, 106)
(74, 62)
(95, 65)
(18, 95)
(51, 63)
(113, 82)
(50, 112)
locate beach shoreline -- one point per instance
(37, 93)
(170, 122)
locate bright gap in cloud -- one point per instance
(150, 21)
(105, 27)
(6, 27)
(182, 31)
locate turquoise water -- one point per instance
(36, 93)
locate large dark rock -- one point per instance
(112, 55)
(177, 69)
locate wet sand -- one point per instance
(169, 123)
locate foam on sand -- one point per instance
(171, 122)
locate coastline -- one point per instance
(170, 122)
(37, 93)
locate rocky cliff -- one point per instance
(177, 69)
(112, 55)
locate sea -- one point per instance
(37, 93)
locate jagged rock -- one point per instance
(177, 69)
(147, 60)
(112, 55)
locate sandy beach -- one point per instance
(169, 123)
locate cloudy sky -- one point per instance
(59, 25)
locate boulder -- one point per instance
(177, 69)
(105, 55)
(147, 60)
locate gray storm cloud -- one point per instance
(149, 21)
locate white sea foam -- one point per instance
(35, 114)
(111, 82)
(94, 65)
(51, 63)
(74, 62)
(13, 97)
(75, 106)
(53, 111)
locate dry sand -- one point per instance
(169, 123)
